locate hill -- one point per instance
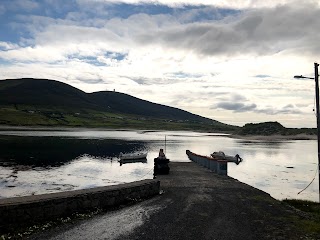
(29, 101)
(123, 103)
(42, 93)
(272, 128)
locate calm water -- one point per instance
(35, 162)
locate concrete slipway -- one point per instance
(195, 204)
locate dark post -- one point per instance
(316, 78)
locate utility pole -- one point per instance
(316, 78)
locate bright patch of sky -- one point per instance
(232, 61)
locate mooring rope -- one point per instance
(146, 173)
(310, 182)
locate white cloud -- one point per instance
(243, 63)
(285, 29)
(8, 46)
(256, 32)
(238, 4)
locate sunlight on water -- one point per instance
(36, 162)
(282, 169)
(83, 172)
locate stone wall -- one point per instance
(20, 211)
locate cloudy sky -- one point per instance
(229, 60)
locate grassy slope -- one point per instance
(50, 103)
(44, 102)
(312, 225)
(30, 116)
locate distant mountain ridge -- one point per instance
(50, 94)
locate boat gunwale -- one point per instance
(188, 152)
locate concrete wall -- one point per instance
(20, 211)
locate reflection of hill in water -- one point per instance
(56, 151)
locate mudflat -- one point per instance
(195, 204)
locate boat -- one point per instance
(217, 162)
(132, 156)
(142, 160)
(222, 156)
(161, 164)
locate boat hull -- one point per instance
(142, 160)
(220, 155)
(216, 165)
(136, 156)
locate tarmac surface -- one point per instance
(195, 204)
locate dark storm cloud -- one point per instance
(259, 32)
(236, 107)
(88, 80)
(239, 103)
(252, 107)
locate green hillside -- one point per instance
(34, 102)
(42, 92)
(272, 128)
(123, 103)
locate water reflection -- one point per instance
(84, 172)
(282, 171)
(56, 151)
(266, 144)
(34, 162)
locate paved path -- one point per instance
(195, 204)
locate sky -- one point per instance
(232, 61)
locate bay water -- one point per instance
(37, 161)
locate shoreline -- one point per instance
(220, 134)
(274, 137)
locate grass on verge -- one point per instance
(311, 225)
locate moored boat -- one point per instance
(217, 162)
(220, 155)
(132, 156)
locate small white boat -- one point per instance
(132, 156)
(220, 155)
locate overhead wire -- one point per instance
(314, 105)
(310, 182)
